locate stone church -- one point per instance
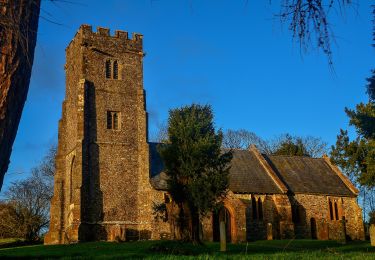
(109, 176)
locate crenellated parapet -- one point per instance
(119, 37)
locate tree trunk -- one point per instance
(195, 223)
(18, 33)
(183, 225)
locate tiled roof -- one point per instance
(308, 175)
(248, 175)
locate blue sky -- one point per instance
(234, 55)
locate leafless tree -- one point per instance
(309, 22)
(47, 166)
(313, 146)
(242, 139)
(367, 199)
(26, 208)
(161, 134)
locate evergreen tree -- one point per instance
(357, 157)
(196, 167)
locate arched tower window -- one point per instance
(113, 120)
(260, 209)
(108, 69)
(336, 212)
(115, 69)
(254, 208)
(330, 210)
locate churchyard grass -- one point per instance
(276, 249)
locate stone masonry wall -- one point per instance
(68, 162)
(317, 207)
(276, 210)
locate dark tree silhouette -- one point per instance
(18, 33)
(196, 167)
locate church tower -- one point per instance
(102, 189)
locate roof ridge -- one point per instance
(293, 156)
(270, 172)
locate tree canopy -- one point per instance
(357, 157)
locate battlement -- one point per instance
(105, 32)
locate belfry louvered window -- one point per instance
(108, 69)
(115, 70)
(112, 69)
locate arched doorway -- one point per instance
(313, 228)
(222, 215)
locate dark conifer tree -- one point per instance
(196, 167)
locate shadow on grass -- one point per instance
(179, 248)
(19, 242)
(262, 247)
(176, 249)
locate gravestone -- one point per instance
(269, 231)
(372, 234)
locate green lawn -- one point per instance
(277, 249)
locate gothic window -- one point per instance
(108, 69)
(330, 210)
(254, 207)
(115, 70)
(113, 120)
(260, 209)
(336, 211)
(257, 207)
